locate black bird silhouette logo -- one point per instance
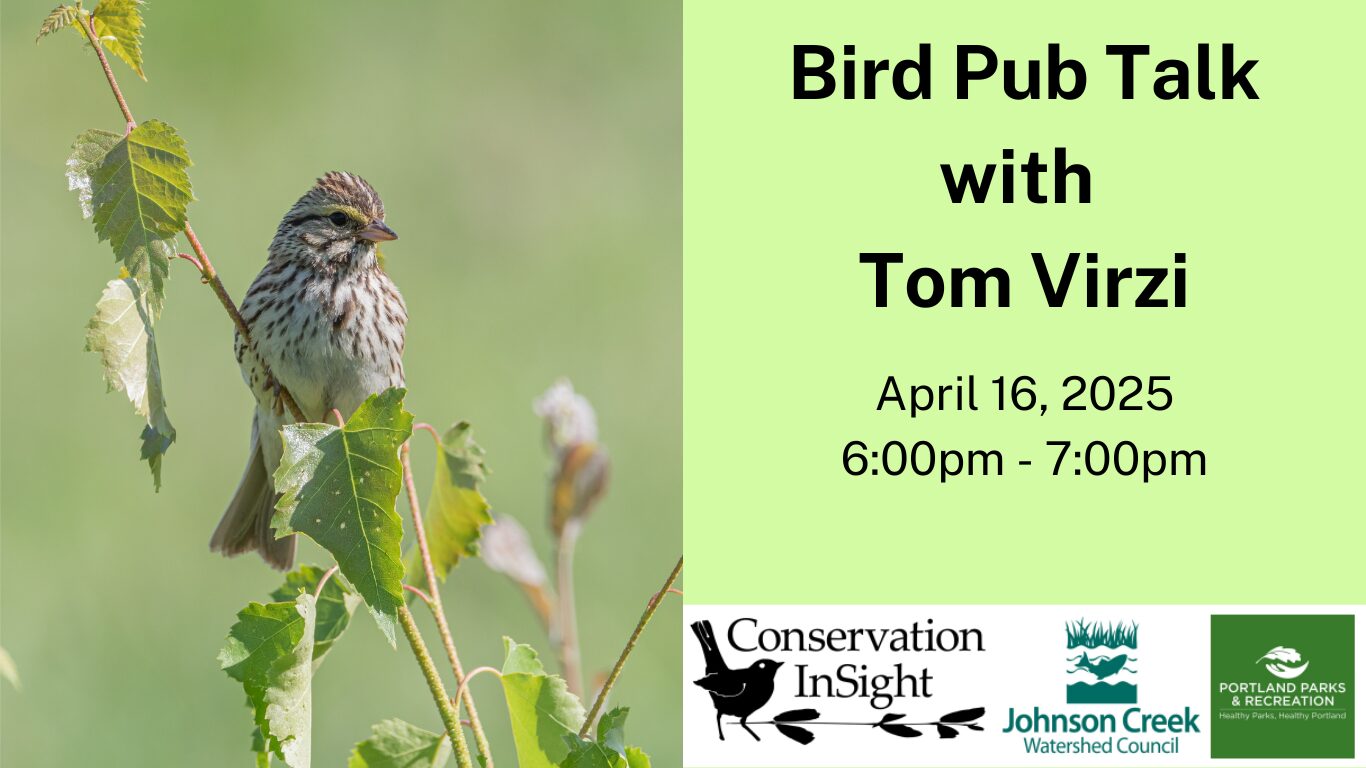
(736, 692)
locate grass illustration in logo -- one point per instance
(1101, 667)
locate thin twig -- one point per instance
(317, 594)
(211, 277)
(438, 611)
(630, 646)
(429, 428)
(448, 713)
(206, 269)
(566, 634)
(419, 593)
(198, 267)
(465, 684)
(88, 27)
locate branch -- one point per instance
(630, 646)
(448, 714)
(433, 599)
(464, 684)
(88, 28)
(419, 593)
(318, 593)
(205, 266)
(211, 278)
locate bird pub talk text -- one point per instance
(1076, 278)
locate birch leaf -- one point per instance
(121, 332)
(335, 606)
(456, 510)
(139, 193)
(118, 23)
(397, 744)
(61, 17)
(338, 486)
(545, 716)
(87, 152)
(270, 651)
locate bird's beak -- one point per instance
(777, 664)
(378, 232)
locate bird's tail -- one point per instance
(245, 526)
(710, 652)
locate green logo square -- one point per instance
(1282, 686)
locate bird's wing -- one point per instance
(722, 685)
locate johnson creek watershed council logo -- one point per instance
(1102, 669)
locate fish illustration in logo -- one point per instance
(1102, 667)
(1284, 662)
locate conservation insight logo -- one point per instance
(1282, 686)
(803, 683)
(1101, 668)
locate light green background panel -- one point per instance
(786, 354)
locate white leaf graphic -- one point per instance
(1281, 653)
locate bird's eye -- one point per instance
(339, 218)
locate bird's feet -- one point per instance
(748, 730)
(278, 401)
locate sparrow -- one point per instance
(327, 324)
(737, 692)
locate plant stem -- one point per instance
(205, 266)
(318, 593)
(438, 611)
(465, 684)
(88, 27)
(211, 279)
(650, 609)
(567, 627)
(448, 714)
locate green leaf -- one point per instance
(610, 750)
(338, 486)
(139, 193)
(611, 729)
(270, 651)
(87, 153)
(121, 332)
(545, 716)
(397, 744)
(335, 605)
(456, 509)
(590, 754)
(118, 23)
(62, 16)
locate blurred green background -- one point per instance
(529, 155)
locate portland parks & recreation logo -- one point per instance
(1282, 686)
